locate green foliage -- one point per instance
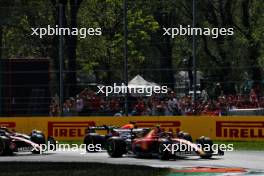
(226, 59)
(22, 16)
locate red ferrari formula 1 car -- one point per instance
(11, 142)
(164, 145)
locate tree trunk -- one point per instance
(71, 46)
(164, 44)
(1, 42)
(71, 43)
(254, 47)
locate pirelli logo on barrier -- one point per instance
(240, 129)
(9, 125)
(166, 125)
(220, 128)
(68, 129)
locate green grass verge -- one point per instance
(77, 169)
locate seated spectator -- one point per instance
(79, 104)
(140, 108)
(54, 109)
(160, 109)
(66, 108)
(173, 105)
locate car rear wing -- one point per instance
(104, 127)
(92, 129)
(132, 130)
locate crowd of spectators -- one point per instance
(88, 103)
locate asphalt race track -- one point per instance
(250, 160)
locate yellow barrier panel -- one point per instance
(73, 128)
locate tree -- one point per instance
(70, 40)
(106, 52)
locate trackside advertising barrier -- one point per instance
(73, 128)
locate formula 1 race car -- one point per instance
(126, 132)
(164, 145)
(11, 142)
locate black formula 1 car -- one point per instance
(164, 145)
(126, 133)
(11, 142)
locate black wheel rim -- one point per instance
(1, 148)
(110, 147)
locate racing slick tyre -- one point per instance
(206, 145)
(94, 139)
(37, 138)
(116, 147)
(52, 143)
(163, 153)
(5, 146)
(185, 136)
